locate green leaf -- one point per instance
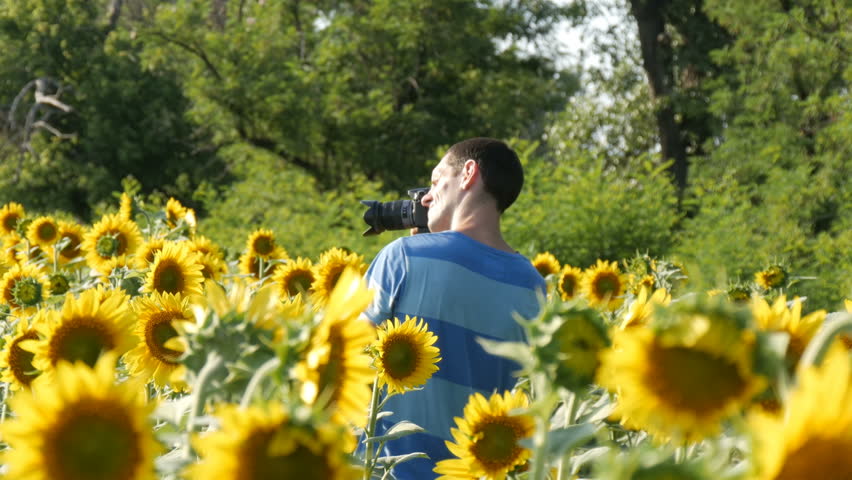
(561, 440)
(399, 430)
(392, 460)
(517, 351)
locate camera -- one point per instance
(398, 214)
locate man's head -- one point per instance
(485, 165)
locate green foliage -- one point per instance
(306, 221)
(579, 210)
(124, 120)
(777, 185)
(360, 87)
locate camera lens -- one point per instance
(381, 216)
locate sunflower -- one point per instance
(294, 277)
(738, 294)
(175, 212)
(146, 252)
(155, 315)
(261, 243)
(83, 331)
(772, 277)
(639, 312)
(17, 363)
(604, 285)
(546, 264)
(204, 246)
(331, 264)
(335, 366)
(75, 235)
(212, 266)
(250, 265)
(648, 282)
(24, 287)
(578, 343)
(685, 374)
(111, 236)
(848, 305)
(810, 439)
(778, 318)
(43, 231)
(9, 257)
(569, 282)
(405, 354)
(174, 270)
(27, 253)
(10, 215)
(59, 283)
(487, 438)
(86, 427)
(265, 443)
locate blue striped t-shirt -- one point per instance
(464, 290)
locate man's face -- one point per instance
(442, 198)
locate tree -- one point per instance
(360, 86)
(121, 120)
(676, 38)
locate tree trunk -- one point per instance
(651, 24)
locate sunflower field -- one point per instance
(133, 348)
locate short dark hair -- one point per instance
(499, 165)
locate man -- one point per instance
(466, 282)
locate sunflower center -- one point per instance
(107, 245)
(81, 340)
(299, 283)
(334, 276)
(73, 248)
(158, 331)
(693, 380)
(569, 283)
(300, 462)
(152, 254)
(497, 445)
(399, 357)
(96, 442)
(21, 361)
(607, 285)
(168, 277)
(818, 457)
(264, 246)
(46, 231)
(27, 292)
(10, 222)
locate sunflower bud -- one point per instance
(27, 292)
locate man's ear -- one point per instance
(470, 172)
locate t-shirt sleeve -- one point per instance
(386, 277)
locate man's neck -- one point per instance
(484, 229)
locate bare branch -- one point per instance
(50, 128)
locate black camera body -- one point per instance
(398, 214)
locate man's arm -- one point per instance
(386, 277)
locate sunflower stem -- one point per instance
(570, 409)
(214, 361)
(539, 467)
(261, 372)
(3, 407)
(370, 432)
